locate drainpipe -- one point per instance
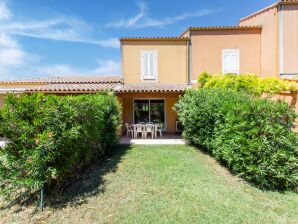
(189, 59)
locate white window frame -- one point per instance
(153, 77)
(231, 51)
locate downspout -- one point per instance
(189, 59)
(121, 55)
(281, 39)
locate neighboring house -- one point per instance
(156, 70)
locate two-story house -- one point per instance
(156, 70)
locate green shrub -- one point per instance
(203, 78)
(247, 83)
(50, 137)
(252, 137)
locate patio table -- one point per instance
(134, 129)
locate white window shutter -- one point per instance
(144, 64)
(148, 65)
(154, 64)
(230, 61)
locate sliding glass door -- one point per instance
(149, 111)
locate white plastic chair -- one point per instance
(149, 128)
(158, 130)
(139, 128)
(129, 130)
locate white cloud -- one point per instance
(107, 67)
(11, 56)
(133, 21)
(59, 29)
(11, 53)
(4, 12)
(7, 41)
(142, 20)
(112, 42)
(56, 70)
(104, 68)
(148, 22)
(17, 63)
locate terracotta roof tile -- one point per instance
(87, 85)
(153, 38)
(67, 79)
(151, 88)
(211, 28)
(72, 88)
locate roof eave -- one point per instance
(67, 91)
(153, 39)
(227, 28)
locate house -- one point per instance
(156, 70)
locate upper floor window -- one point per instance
(149, 65)
(230, 61)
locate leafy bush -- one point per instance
(50, 137)
(247, 83)
(204, 77)
(252, 137)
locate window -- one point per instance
(149, 111)
(230, 61)
(149, 65)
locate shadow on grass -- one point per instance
(89, 183)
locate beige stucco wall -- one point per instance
(128, 110)
(290, 39)
(269, 47)
(206, 50)
(172, 60)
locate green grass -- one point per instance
(161, 184)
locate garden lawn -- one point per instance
(161, 184)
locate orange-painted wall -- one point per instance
(206, 50)
(290, 39)
(269, 42)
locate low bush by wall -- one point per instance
(50, 137)
(252, 137)
(248, 83)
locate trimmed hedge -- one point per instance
(252, 137)
(51, 137)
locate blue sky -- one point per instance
(80, 37)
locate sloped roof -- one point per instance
(139, 88)
(83, 84)
(211, 28)
(66, 79)
(154, 38)
(72, 88)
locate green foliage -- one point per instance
(253, 137)
(247, 83)
(203, 78)
(50, 137)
